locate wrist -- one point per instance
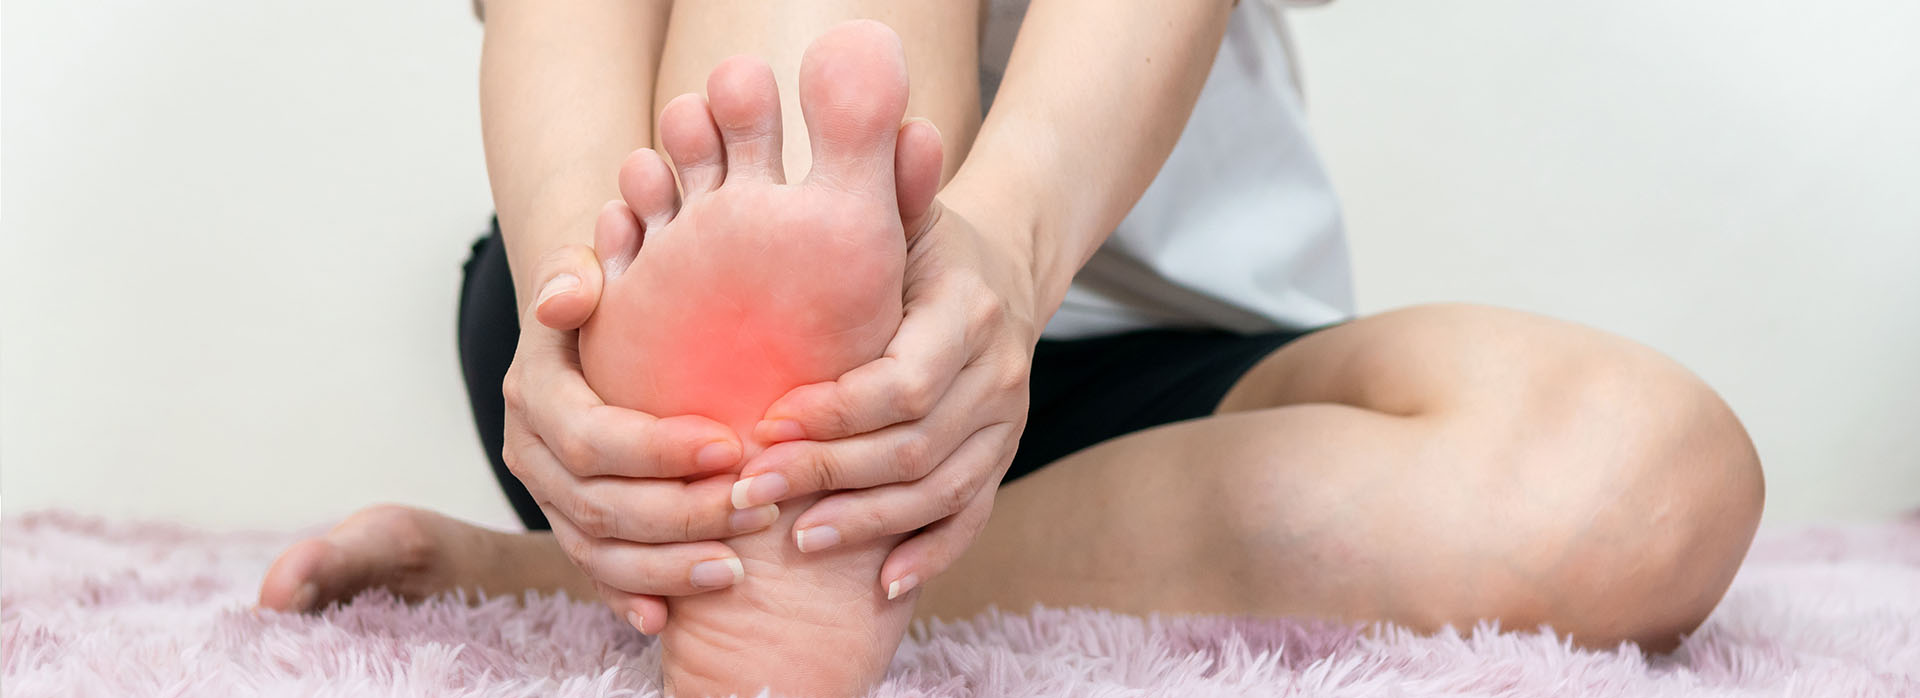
(538, 234)
(1012, 225)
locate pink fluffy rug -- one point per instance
(96, 608)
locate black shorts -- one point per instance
(1084, 391)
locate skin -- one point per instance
(799, 282)
(1429, 466)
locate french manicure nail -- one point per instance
(902, 586)
(637, 622)
(560, 284)
(714, 574)
(759, 489)
(813, 538)
(777, 430)
(717, 455)
(753, 519)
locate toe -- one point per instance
(646, 183)
(691, 139)
(746, 106)
(616, 239)
(853, 92)
(290, 585)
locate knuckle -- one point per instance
(580, 551)
(591, 517)
(826, 469)
(515, 463)
(912, 457)
(1011, 377)
(913, 397)
(954, 498)
(575, 453)
(511, 390)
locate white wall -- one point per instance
(233, 231)
(1735, 183)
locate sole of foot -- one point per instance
(752, 286)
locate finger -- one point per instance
(860, 516)
(569, 287)
(916, 172)
(591, 438)
(641, 510)
(902, 385)
(899, 453)
(931, 552)
(616, 238)
(647, 614)
(673, 569)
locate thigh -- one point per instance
(1428, 466)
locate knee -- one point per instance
(1665, 490)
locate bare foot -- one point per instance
(750, 289)
(415, 554)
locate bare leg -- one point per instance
(1428, 466)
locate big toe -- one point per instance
(853, 93)
(293, 582)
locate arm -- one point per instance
(1093, 101)
(566, 92)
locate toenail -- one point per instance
(902, 586)
(303, 597)
(759, 489)
(815, 538)
(714, 574)
(753, 519)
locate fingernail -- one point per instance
(637, 622)
(560, 284)
(815, 538)
(902, 586)
(717, 455)
(714, 574)
(759, 489)
(777, 430)
(304, 596)
(753, 519)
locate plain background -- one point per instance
(233, 231)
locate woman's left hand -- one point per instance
(921, 436)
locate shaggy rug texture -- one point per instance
(98, 608)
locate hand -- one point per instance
(614, 482)
(923, 434)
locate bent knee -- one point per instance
(1655, 492)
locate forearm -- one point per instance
(566, 91)
(1093, 101)
(941, 40)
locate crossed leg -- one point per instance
(1429, 466)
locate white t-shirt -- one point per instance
(1240, 230)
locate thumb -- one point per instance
(570, 280)
(916, 173)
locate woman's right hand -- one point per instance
(618, 486)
